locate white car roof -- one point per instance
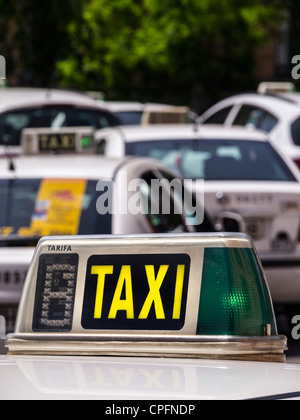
(117, 378)
(182, 131)
(65, 167)
(25, 97)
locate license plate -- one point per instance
(57, 142)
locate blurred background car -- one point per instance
(55, 195)
(279, 116)
(32, 108)
(250, 186)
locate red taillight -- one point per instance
(297, 161)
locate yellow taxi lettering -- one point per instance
(136, 292)
(178, 292)
(126, 304)
(101, 272)
(154, 296)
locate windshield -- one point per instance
(12, 123)
(36, 208)
(217, 160)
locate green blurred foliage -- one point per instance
(165, 49)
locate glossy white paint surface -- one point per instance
(142, 379)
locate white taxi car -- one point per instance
(22, 108)
(42, 193)
(279, 116)
(147, 317)
(245, 176)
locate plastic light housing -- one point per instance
(183, 296)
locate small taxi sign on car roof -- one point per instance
(198, 296)
(62, 140)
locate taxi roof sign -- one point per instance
(198, 296)
(276, 87)
(165, 115)
(70, 140)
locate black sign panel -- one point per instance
(55, 293)
(136, 292)
(57, 142)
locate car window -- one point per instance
(212, 160)
(268, 122)
(45, 207)
(161, 221)
(256, 117)
(12, 123)
(296, 132)
(219, 117)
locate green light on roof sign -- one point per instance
(234, 297)
(85, 142)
